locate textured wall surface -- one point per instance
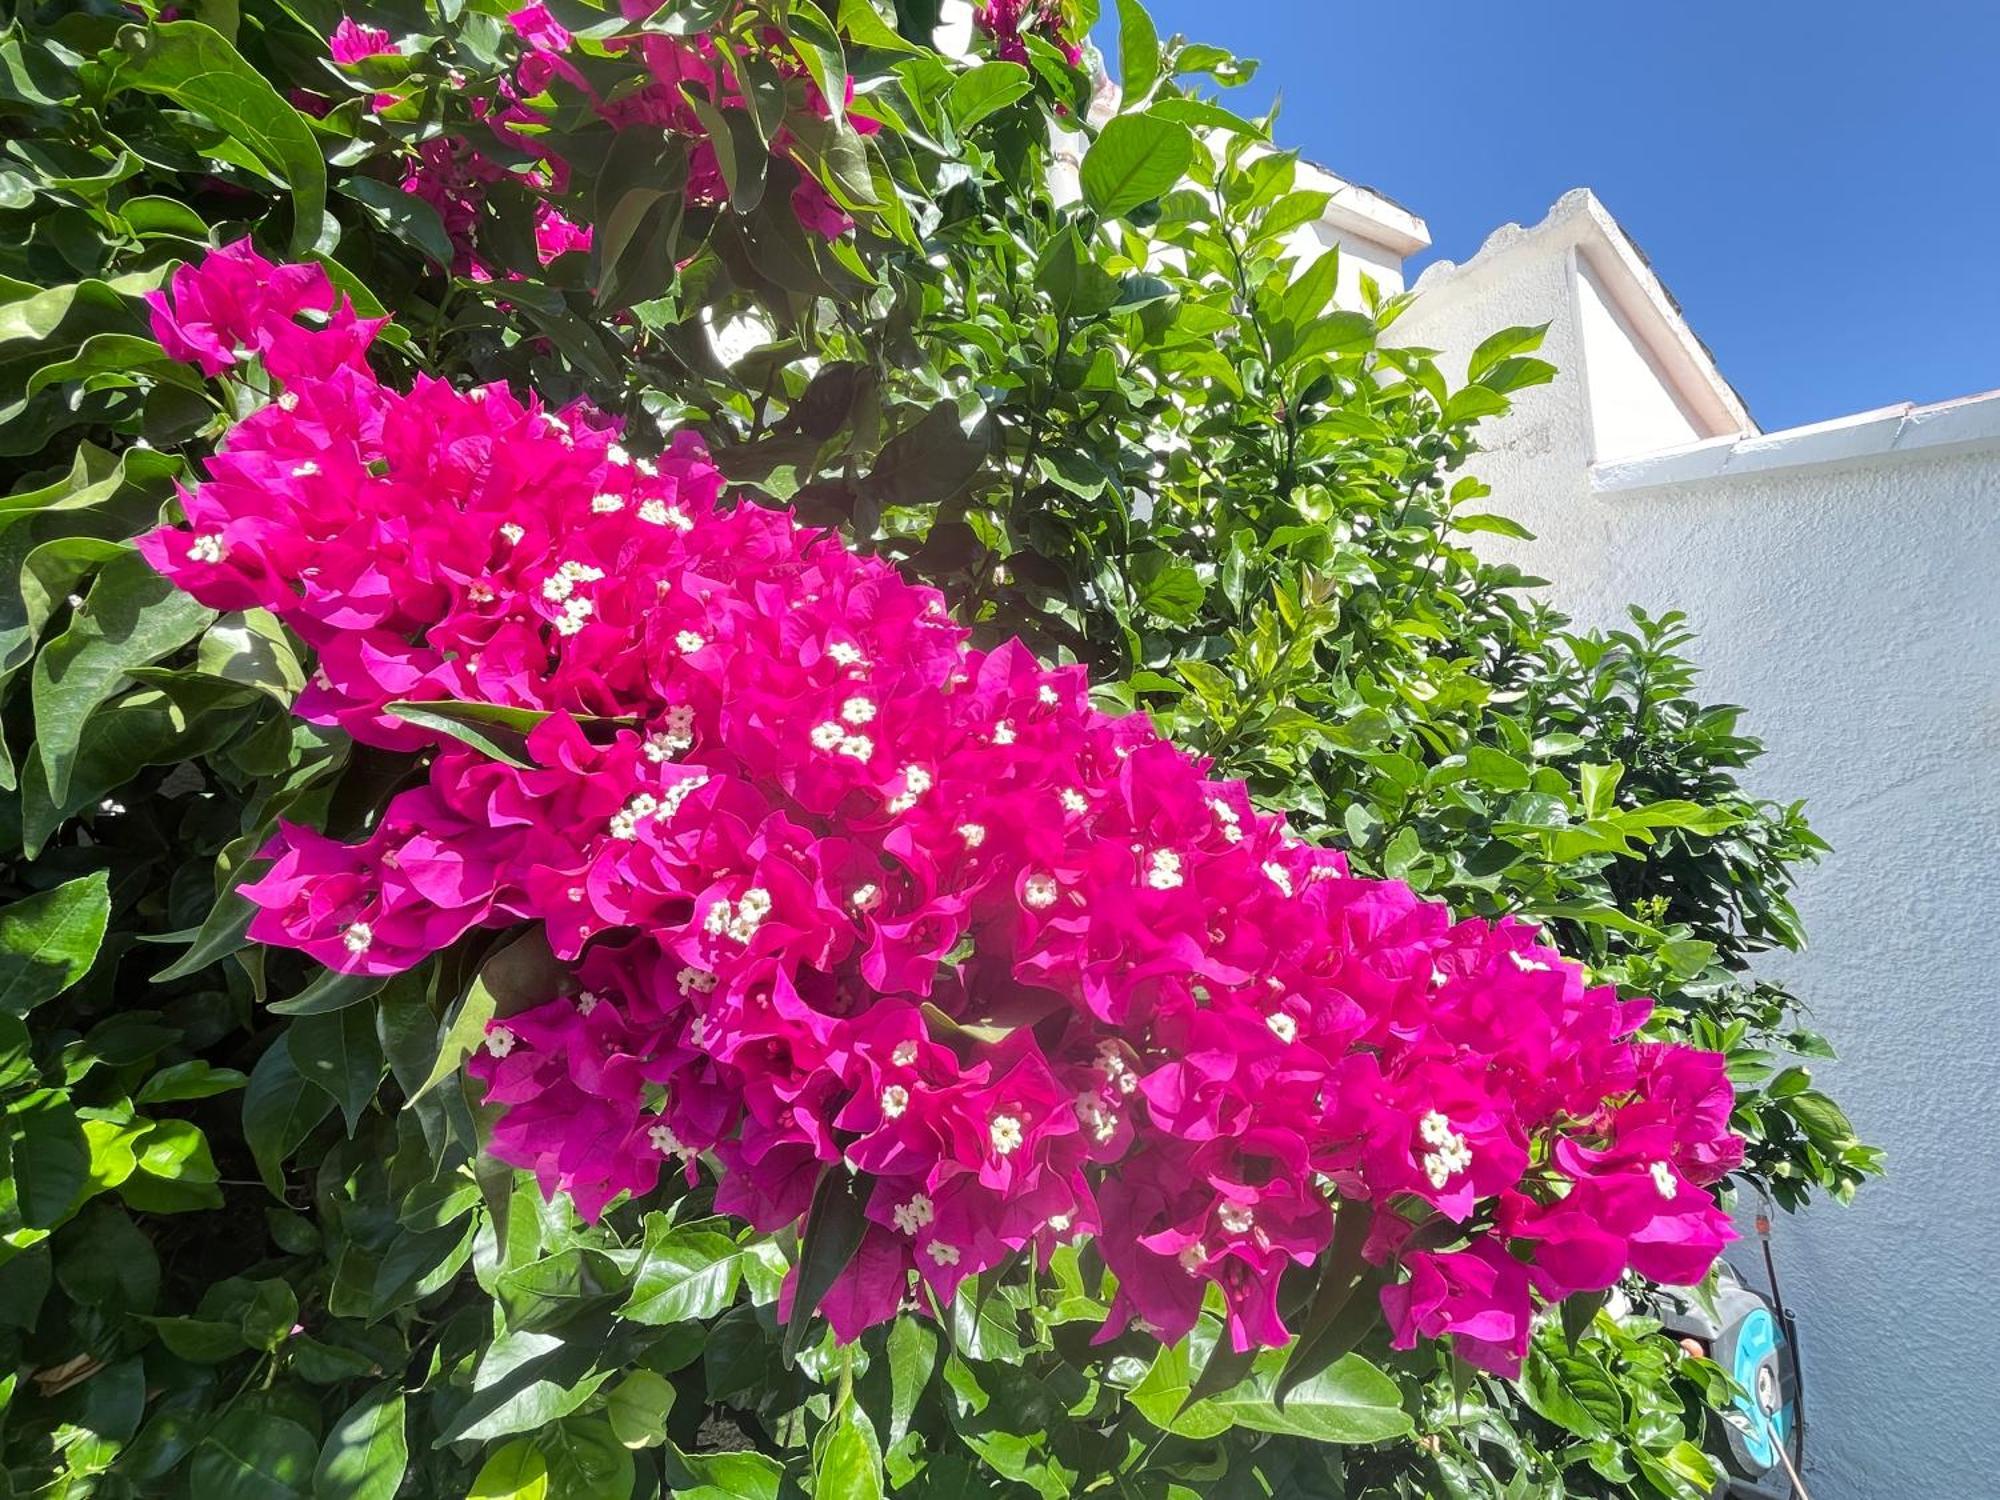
(1854, 609)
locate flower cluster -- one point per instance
(454, 175)
(841, 894)
(1008, 22)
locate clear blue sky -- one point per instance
(1818, 183)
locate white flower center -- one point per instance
(208, 549)
(1041, 891)
(943, 1254)
(500, 1041)
(1663, 1180)
(1235, 1218)
(357, 937)
(895, 1099)
(1005, 1133)
(918, 1213)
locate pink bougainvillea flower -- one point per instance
(839, 892)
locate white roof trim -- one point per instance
(1579, 220)
(1365, 213)
(1965, 424)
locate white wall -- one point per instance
(1853, 606)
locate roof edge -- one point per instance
(1908, 430)
(1579, 219)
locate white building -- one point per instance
(1845, 578)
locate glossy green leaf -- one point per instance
(49, 940)
(196, 67)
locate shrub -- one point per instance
(253, 1244)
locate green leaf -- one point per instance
(250, 647)
(225, 930)
(197, 68)
(489, 728)
(1138, 52)
(516, 1471)
(1134, 160)
(132, 617)
(1350, 1401)
(587, 1462)
(913, 1349)
(863, 26)
(980, 91)
(685, 1274)
(403, 215)
(850, 1459)
(1599, 785)
(194, 1079)
(835, 1225)
(928, 462)
(724, 1476)
(1167, 585)
(366, 1453)
(253, 1455)
(637, 1409)
(48, 941)
(51, 1159)
(338, 1053)
(280, 1110)
(1573, 1390)
(1499, 346)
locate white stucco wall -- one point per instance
(1849, 597)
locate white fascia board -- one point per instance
(1888, 434)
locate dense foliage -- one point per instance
(252, 1245)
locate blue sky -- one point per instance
(1818, 183)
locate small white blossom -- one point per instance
(500, 1041)
(1526, 964)
(856, 747)
(904, 1055)
(208, 549)
(866, 897)
(1165, 871)
(1003, 732)
(826, 736)
(616, 454)
(895, 1100)
(693, 980)
(974, 834)
(741, 920)
(1193, 1258)
(857, 711)
(1048, 694)
(606, 505)
(916, 781)
(1074, 800)
(1005, 1133)
(1040, 891)
(843, 654)
(357, 937)
(914, 1215)
(1235, 1218)
(689, 642)
(943, 1254)
(1283, 1027)
(289, 401)
(1279, 876)
(1434, 1128)
(666, 1142)
(587, 1001)
(659, 513)
(305, 470)
(1663, 1180)
(512, 532)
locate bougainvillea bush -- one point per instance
(726, 785)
